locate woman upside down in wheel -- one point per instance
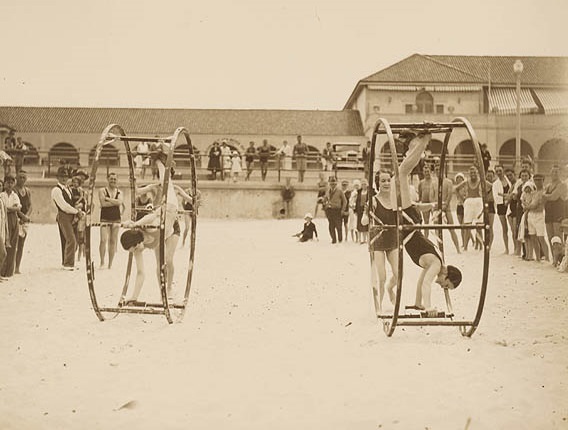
(421, 250)
(136, 239)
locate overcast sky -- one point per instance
(257, 54)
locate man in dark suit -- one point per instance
(61, 196)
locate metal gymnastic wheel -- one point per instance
(396, 318)
(173, 310)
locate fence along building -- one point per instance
(481, 88)
(52, 133)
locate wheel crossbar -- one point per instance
(432, 130)
(436, 323)
(179, 212)
(428, 227)
(132, 310)
(425, 125)
(123, 225)
(142, 306)
(140, 138)
(420, 315)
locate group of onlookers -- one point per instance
(15, 149)
(532, 208)
(225, 161)
(228, 162)
(344, 208)
(70, 200)
(536, 209)
(15, 211)
(528, 205)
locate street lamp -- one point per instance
(518, 69)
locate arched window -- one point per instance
(63, 151)
(553, 151)
(464, 156)
(507, 152)
(424, 102)
(109, 156)
(181, 156)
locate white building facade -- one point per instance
(482, 89)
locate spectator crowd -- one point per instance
(532, 208)
(225, 161)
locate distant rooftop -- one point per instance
(197, 121)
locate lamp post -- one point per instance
(518, 69)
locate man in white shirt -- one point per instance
(501, 190)
(285, 153)
(61, 196)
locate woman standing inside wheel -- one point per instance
(111, 201)
(382, 243)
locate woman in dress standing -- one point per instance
(214, 164)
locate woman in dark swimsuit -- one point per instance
(554, 205)
(383, 242)
(111, 201)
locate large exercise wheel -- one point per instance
(172, 310)
(391, 321)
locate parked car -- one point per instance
(346, 155)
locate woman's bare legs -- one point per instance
(505, 232)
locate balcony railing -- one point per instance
(45, 164)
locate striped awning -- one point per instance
(503, 101)
(554, 101)
(437, 88)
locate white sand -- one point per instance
(280, 335)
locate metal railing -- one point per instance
(45, 164)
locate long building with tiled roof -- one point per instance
(198, 121)
(481, 88)
(53, 133)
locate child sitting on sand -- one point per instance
(309, 230)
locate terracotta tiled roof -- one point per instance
(537, 71)
(544, 71)
(419, 68)
(198, 121)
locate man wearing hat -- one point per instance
(61, 196)
(335, 205)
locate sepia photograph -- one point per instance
(304, 215)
